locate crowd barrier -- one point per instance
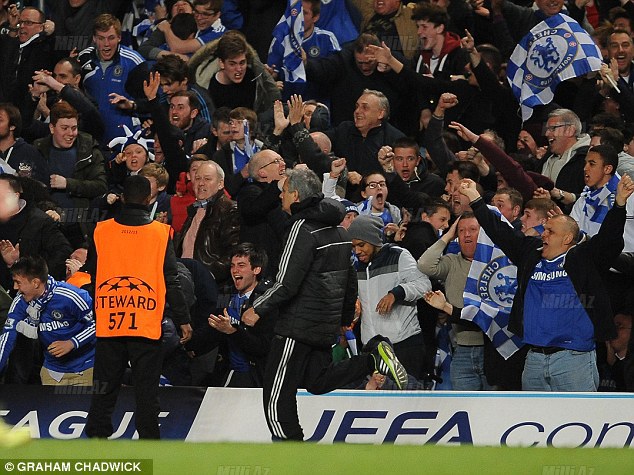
(374, 417)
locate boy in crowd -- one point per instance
(57, 313)
(159, 199)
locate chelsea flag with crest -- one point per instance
(489, 292)
(554, 50)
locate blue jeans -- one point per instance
(467, 369)
(566, 370)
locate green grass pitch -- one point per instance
(182, 458)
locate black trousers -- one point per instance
(411, 353)
(111, 360)
(292, 365)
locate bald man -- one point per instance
(322, 141)
(561, 306)
(259, 206)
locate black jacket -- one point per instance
(361, 152)
(218, 233)
(262, 220)
(339, 77)
(27, 161)
(88, 180)
(176, 160)
(297, 146)
(570, 177)
(90, 120)
(585, 263)
(17, 65)
(255, 341)
(37, 235)
(74, 25)
(316, 287)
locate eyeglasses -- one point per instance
(30, 23)
(552, 128)
(203, 13)
(277, 161)
(373, 185)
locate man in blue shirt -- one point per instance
(57, 313)
(561, 306)
(113, 76)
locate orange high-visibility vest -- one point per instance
(130, 284)
(79, 279)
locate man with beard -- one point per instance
(175, 78)
(184, 113)
(17, 156)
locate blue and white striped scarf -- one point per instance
(242, 157)
(28, 326)
(599, 201)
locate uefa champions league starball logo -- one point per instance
(131, 283)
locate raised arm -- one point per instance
(514, 244)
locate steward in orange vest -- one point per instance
(130, 286)
(134, 270)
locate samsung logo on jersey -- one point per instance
(52, 326)
(546, 276)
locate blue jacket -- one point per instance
(124, 76)
(67, 316)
